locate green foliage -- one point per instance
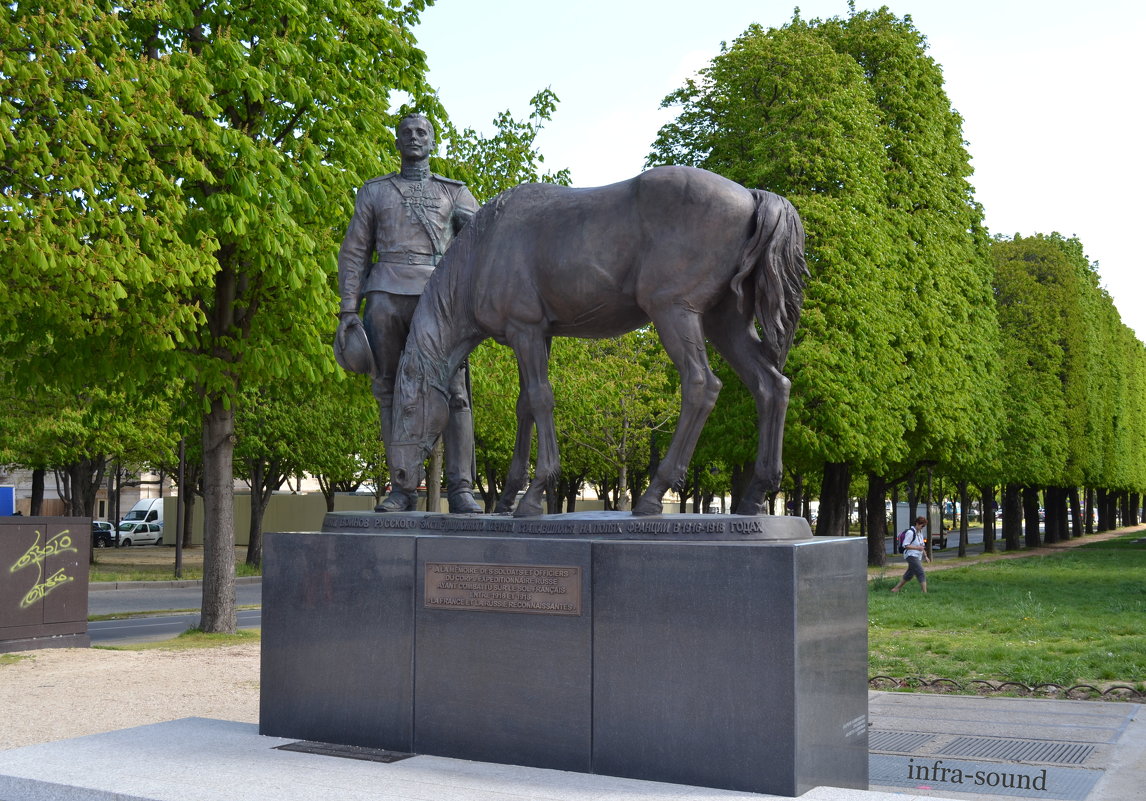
(611, 395)
(493, 373)
(335, 433)
(1074, 405)
(1073, 617)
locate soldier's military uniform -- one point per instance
(402, 224)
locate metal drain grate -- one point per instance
(1039, 751)
(897, 742)
(345, 751)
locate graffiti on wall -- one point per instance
(35, 556)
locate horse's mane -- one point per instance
(447, 295)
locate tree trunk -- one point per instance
(1012, 516)
(218, 611)
(740, 473)
(622, 504)
(834, 500)
(797, 502)
(1031, 517)
(964, 503)
(489, 492)
(1053, 510)
(912, 499)
(987, 502)
(572, 487)
(876, 520)
(1088, 510)
(1075, 512)
(266, 477)
(38, 492)
(1123, 503)
(84, 478)
(1135, 503)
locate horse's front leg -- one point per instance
(532, 350)
(519, 465)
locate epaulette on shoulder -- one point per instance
(381, 178)
(446, 180)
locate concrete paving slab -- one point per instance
(196, 759)
(923, 746)
(974, 747)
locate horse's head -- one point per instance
(421, 410)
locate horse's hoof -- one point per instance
(527, 510)
(748, 508)
(645, 507)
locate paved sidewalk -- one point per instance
(948, 558)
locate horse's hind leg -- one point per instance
(680, 333)
(736, 340)
(532, 350)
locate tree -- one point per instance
(240, 136)
(337, 441)
(610, 394)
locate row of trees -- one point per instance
(175, 179)
(924, 343)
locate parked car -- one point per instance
(103, 534)
(140, 534)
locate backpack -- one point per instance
(903, 536)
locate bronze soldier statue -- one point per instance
(406, 220)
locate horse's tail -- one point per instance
(774, 257)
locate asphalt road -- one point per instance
(161, 599)
(158, 627)
(165, 624)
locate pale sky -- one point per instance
(1051, 92)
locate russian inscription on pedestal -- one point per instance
(477, 587)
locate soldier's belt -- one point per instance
(409, 258)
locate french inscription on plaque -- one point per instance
(529, 589)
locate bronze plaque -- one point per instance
(528, 589)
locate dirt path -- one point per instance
(57, 693)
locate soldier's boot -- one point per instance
(459, 437)
(397, 500)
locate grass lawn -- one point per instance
(1075, 617)
(191, 639)
(156, 563)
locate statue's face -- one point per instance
(415, 138)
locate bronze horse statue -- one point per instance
(699, 256)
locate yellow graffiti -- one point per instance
(40, 590)
(35, 555)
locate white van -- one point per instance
(143, 524)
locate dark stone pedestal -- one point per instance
(710, 650)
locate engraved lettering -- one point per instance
(537, 589)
